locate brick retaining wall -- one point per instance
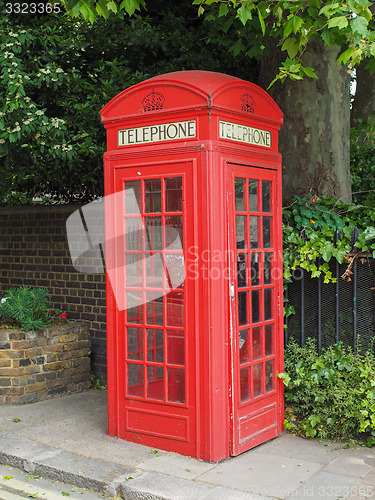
(34, 251)
(39, 365)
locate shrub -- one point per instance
(331, 396)
(26, 308)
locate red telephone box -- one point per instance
(194, 264)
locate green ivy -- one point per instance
(331, 396)
(309, 241)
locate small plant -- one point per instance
(331, 396)
(96, 384)
(27, 308)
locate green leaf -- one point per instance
(338, 22)
(244, 14)
(309, 72)
(291, 46)
(297, 23)
(330, 8)
(130, 6)
(262, 23)
(223, 10)
(359, 25)
(288, 27)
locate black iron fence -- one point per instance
(335, 312)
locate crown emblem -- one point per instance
(247, 103)
(153, 101)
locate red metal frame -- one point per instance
(257, 404)
(230, 128)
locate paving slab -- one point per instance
(76, 423)
(262, 474)
(361, 492)
(326, 486)
(176, 465)
(356, 462)
(311, 450)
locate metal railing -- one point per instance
(343, 311)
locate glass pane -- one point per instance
(266, 191)
(135, 343)
(154, 233)
(239, 192)
(257, 343)
(245, 384)
(153, 195)
(253, 195)
(244, 344)
(241, 231)
(268, 338)
(134, 309)
(175, 270)
(134, 270)
(258, 380)
(173, 232)
(176, 347)
(133, 197)
(255, 305)
(154, 270)
(255, 269)
(254, 233)
(176, 385)
(135, 380)
(133, 236)
(267, 267)
(173, 194)
(175, 309)
(269, 376)
(241, 269)
(242, 308)
(267, 243)
(155, 346)
(154, 308)
(268, 304)
(155, 382)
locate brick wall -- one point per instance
(39, 365)
(34, 251)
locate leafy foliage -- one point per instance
(331, 396)
(58, 74)
(311, 238)
(26, 308)
(294, 23)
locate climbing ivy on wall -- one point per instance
(315, 230)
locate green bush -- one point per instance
(26, 308)
(331, 396)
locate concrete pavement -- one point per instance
(66, 439)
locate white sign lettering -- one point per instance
(242, 133)
(157, 133)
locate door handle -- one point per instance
(231, 291)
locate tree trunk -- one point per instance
(315, 137)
